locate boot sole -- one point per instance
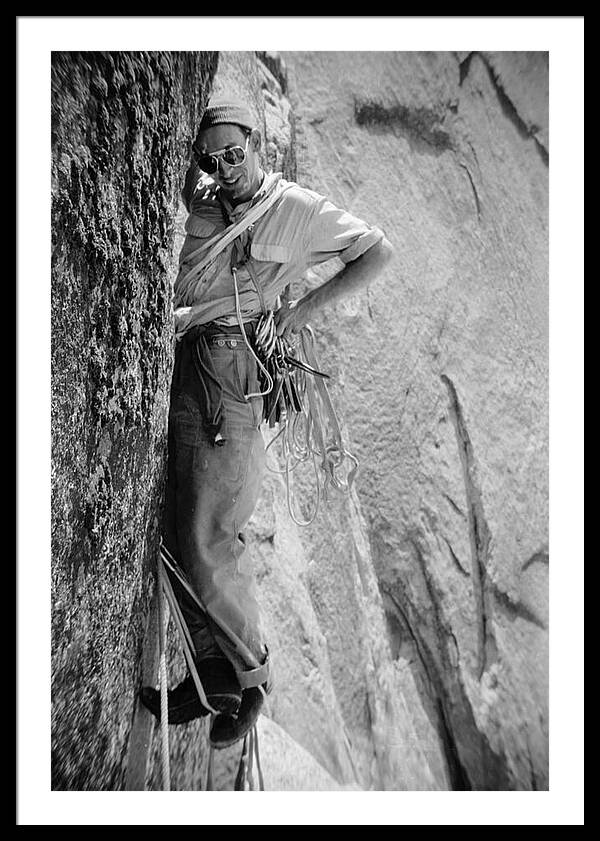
(226, 704)
(220, 744)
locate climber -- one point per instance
(249, 235)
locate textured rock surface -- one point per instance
(121, 124)
(288, 767)
(408, 623)
(445, 388)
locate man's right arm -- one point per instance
(190, 183)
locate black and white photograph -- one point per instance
(298, 381)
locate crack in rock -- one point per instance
(277, 67)
(463, 68)
(474, 188)
(527, 132)
(540, 557)
(516, 609)
(456, 507)
(458, 773)
(510, 110)
(459, 778)
(471, 762)
(457, 563)
(532, 774)
(479, 532)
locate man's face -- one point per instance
(239, 183)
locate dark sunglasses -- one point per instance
(233, 156)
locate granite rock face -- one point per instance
(442, 376)
(408, 622)
(121, 127)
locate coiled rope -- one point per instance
(309, 428)
(296, 395)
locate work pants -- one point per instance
(212, 490)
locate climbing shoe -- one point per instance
(226, 730)
(220, 684)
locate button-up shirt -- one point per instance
(301, 230)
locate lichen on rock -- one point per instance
(121, 125)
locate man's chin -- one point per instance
(235, 192)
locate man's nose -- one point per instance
(225, 169)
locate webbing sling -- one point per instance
(260, 672)
(247, 679)
(165, 591)
(184, 636)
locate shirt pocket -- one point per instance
(200, 231)
(271, 252)
(196, 226)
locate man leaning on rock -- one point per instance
(249, 235)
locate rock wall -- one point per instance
(408, 623)
(121, 128)
(442, 376)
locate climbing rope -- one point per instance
(250, 757)
(210, 786)
(163, 619)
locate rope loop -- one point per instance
(309, 430)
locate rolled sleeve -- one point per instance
(333, 232)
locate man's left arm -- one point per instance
(353, 278)
(329, 232)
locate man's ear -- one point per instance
(255, 139)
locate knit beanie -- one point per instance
(226, 110)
